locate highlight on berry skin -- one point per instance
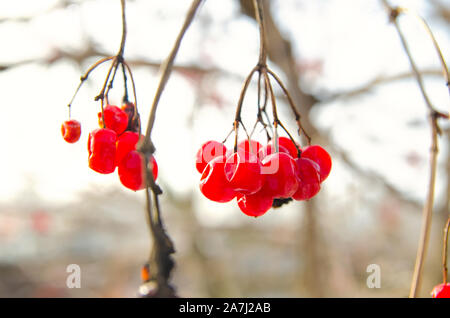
(441, 291)
(257, 174)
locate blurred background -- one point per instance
(344, 66)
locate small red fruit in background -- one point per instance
(441, 291)
(71, 130)
(254, 204)
(319, 156)
(115, 118)
(126, 143)
(207, 152)
(281, 180)
(131, 172)
(308, 179)
(213, 183)
(102, 150)
(287, 143)
(243, 172)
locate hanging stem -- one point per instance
(444, 252)
(161, 263)
(262, 36)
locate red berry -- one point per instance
(281, 180)
(308, 179)
(71, 130)
(115, 118)
(319, 156)
(213, 183)
(245, 145)
(255, 204)
(270, 149)
(441, 291)
(131, 173)
(243, 171)
(287, 144)
(126, 143)
(102, 150)
(207, 152)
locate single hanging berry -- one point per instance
(131, 172)
(213, 183)
(207, 152)
(319, 156)
(115, 119)
(102, 150)
(255, 204)
(126, 143)
(281, 180)
(308, 179)
(243, 172)
(71, 130)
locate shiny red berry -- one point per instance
(115, 118)
(131, 173)
(243, 171)
(441, 291)
(207, 152)
(126, 143)
(251, 146)
(319, 156)
(280, 170)
(308, 179)
(102, 150)
(213, 183)
(287, 143)
(270, 149)
(71, 130)
(255, 204)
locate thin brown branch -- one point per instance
(262, 35)
(433, 118)
(293, 107)
(379, 80)
(444, 252)
(161, 262)
(435, 43)
(166, 67)
(237, 118)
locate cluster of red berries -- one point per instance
(441, 291)
(257, 174)
(114, 145)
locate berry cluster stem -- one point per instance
(116, 62)
(263, 74)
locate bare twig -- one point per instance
(433, 117)
(444, 252)
(435, 43)
(166, 67)
(161, 262)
